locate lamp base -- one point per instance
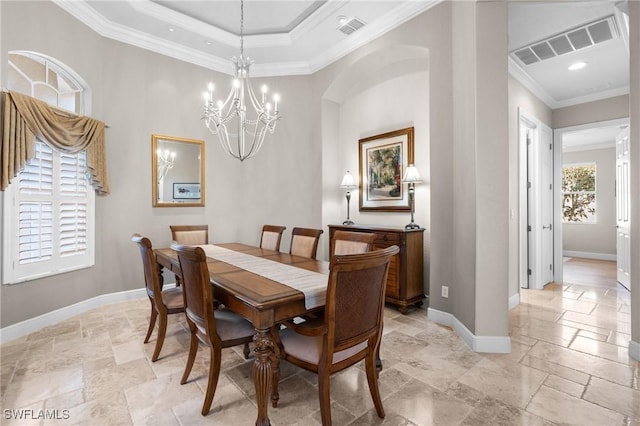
(412, 225)
(347, 222)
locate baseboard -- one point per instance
(634, 350)
(25, 327)
(514, 300)
(588, 255)
(486, 344)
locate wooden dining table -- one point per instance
(262, 301)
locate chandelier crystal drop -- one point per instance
(242, 120)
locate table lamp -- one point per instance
(348, 183)
(411, 176)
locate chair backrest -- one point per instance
(304, 242)
(190, 234)
(355, 297)
(197, 290)
(348, 242)
(151, 272)
(271, 237)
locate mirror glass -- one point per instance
(178, 171)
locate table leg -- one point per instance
(262, 373)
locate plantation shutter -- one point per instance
(73, 204)
(35, 234)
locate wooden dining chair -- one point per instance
(164, 302)
(190, 235)
(350, 332)
(304, 242)
(271, 237)
(348, 242)
(215, 328)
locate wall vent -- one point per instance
(351, 25)
(569, 41)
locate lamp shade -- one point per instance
(411, 175)
(348, 182)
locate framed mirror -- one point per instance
(177, 168)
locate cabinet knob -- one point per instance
(384, 238)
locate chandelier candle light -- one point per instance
(411, 176)
(166, 160)
(241, 136)
(348, 183)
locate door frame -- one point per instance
(558, 134)
(530, 244)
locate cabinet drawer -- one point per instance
(386, 239)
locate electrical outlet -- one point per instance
(445, 291)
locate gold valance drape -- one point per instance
(24, 118)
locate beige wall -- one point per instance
(600, 237)
(521, 100)
(634, 114)
(157, 94)
(591, 112)
(293, 179)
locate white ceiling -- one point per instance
(607, 70)
(294, 37)
(593, 138)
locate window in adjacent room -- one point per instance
(48, 222)
(579, 193)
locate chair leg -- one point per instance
(275, 379)
(152, 322)
(193, 350)
(214, 373)
(325, 399)
(162, 330)
(372, 379)
(246, 351)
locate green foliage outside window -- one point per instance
(579, 193)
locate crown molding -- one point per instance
(594, 97)
(109, 29)
(521, 75)
(367, 33)
(525, 79)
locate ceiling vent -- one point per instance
(569, 41)
(351, 25)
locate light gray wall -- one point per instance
(591, 112)
(634, 137)
(138, 93)
(293, 180)
(599, 237)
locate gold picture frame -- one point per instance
(382, 161)
(174, 161)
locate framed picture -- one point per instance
(383, 160)
(186, 191)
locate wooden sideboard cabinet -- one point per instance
(405, 283)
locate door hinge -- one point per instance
(528, 228)
(528, 184)
(550, 147)
(550, 267)
(551, 227)
(550, 187)
(528, 271)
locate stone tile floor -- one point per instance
(569, 365)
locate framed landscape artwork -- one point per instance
(186, 191)
(383, 160)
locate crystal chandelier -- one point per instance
(240, 134)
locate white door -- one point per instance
(539, 205)
(622, 208)
(546, 205)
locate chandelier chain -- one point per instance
(241, 28)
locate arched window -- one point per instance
(48, 222)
